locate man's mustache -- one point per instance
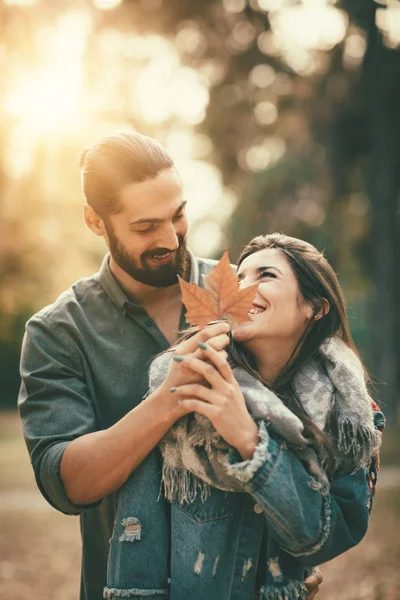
(162, 251)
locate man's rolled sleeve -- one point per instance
(54, 404)
(50, 483)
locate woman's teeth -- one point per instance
(256, 310)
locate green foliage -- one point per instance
(11, 333)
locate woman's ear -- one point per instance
(323, 310)
(93, 221)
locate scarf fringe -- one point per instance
(294, 590)
(111, 593)
(357, 441)
(180, 485)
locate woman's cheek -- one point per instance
(243, 331)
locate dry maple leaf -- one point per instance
(222, 297)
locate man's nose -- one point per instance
(169, 238)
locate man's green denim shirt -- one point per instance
(84, 365)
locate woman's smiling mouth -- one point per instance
(256, 310)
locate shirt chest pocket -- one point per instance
(218, 505)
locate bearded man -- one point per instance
(87, 419)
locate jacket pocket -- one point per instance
(219, 505)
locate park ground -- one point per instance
(40, 548)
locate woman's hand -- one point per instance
(216, 336)
(220, 399)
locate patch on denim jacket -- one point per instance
(132, 531)
(275, 569)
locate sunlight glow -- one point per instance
(19, 2)
(234, 6)
(388, 21)
(262, 76)
(184, 143)
(354, 48)
(106, 4)
(310, 212)
(206, 238)
(243, 34)
(49, 98)
(312, 27)
(190, 39)
(262, 155)
(202, 184)
(165, 88)
(265, 113)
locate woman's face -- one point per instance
(279, 310)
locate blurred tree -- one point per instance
(301, 120)
(381, 87)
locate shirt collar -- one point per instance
(110, 285)
(117, 295)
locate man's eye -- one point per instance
(144, 230)
(180, 216)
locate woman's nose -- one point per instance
(245, 282)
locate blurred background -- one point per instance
(281, 115)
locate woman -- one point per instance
(266, 470)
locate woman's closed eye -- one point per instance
(267, 274)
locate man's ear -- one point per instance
(325, 308)
(93, 221)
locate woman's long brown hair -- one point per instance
(318, 284)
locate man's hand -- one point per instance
(312, 583)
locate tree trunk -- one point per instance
(381, 77)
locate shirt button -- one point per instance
(257, 509)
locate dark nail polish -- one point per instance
(173, 389)
(177, 358)
(202, 346)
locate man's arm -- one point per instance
(98, 463)
(75, 464)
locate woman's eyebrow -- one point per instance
(262, 269)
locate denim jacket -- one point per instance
(217, 549)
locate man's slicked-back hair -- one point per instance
(117, 160)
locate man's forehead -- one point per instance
(153, 197)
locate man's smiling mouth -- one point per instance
(163, 257)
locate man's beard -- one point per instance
(156, 276)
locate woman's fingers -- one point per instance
(218, 342)
(206, 370)
(195, 391)
(208, 410)
(218, 331)
(219, 362)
